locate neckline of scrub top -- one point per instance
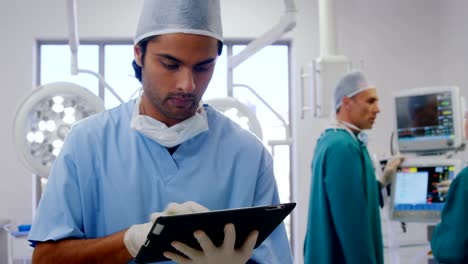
(337, 124)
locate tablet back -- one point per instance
(167, 229)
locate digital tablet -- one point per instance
(167, 229)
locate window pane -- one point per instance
(267, 73)
(282, 168)
(119, 74)
(56, 65)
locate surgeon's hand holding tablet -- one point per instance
(210, 254)
(136, 235)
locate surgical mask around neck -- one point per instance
(350, 126)
(169, 136)
(361, 135)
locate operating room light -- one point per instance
(69, 111)
(237, 112)
(234, 115)
(57, 108)
(45, 117)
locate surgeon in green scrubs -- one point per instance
(450, 238)
(344, 217)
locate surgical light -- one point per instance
(237, 112)
(44, 118)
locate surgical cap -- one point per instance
(349, 85)
(201, 17)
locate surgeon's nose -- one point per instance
(377, 109)
(186, 81)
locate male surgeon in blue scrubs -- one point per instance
(163, 153)
(344, 217)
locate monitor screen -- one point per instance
(428, 119)
(414, 195)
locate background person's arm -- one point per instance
(110, 249)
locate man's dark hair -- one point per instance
(143, 44)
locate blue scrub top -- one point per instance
(108, 177)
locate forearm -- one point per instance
(110, 249)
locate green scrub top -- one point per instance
(450, 238)
(344, 217)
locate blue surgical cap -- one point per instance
(201, 17)
(349, 85)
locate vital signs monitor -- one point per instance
(428, 119)
(414, 196)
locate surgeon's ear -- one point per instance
(137, 54)
(346, 101)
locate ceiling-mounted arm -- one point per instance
(73, 39)
(286, 24)
(74, 43)
(280, 118)
(327, 28)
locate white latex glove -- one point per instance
(189, 207)
(390, 169)
(136, 235)
(226, 253)
(444, 186)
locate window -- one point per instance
(267, 72)
(113, 60)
